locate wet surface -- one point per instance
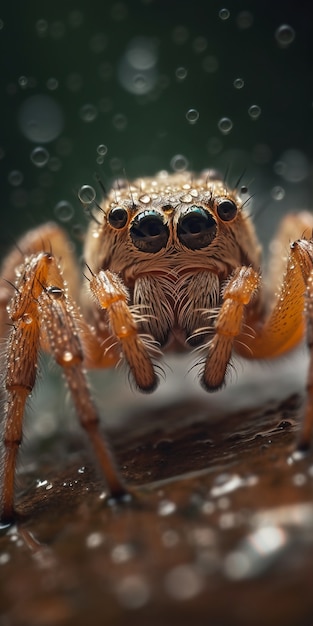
(219, 529)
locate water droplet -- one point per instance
(180, 35)
(15, 178)
(39, 156)
(52, 83)
(23, 82)
(239, 83)
(166, 507)
(170, 538)
(179, 163)
(145, 199)
(254, 111)
(293, 166)
(41, 27)
(81, 470)
(54, 164)
(299, 480)
(75, 18)
(132, 591)
(64, 211)
(86, 194)
(98, 43)
(284, 35)
(120, 121)
(244, 19)
(137, 71)
(225, 125)
(102, 149)
(27, 319)
(40, 119)
(74, 82)
(122, 553)
(94, 540)
(210, 64)
(67, 357)
(200, 44)
(183, 582)
(192, 116)
(278, 193)
(181, 73)
(4, 558)
(88, 113)
(224, 14)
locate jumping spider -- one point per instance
(173, 263)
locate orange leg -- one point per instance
(43, 313)
(112, 295)
(237, 295)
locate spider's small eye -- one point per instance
(118, 217)
(227, 210)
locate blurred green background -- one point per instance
(138, 86)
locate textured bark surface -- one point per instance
(219, 530)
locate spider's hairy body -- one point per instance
(173, 263)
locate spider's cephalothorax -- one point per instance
(173, 263)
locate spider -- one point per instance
(173, 263)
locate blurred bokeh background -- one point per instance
(116, 86)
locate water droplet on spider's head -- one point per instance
(39, 156)
(87, 194)
(64, 211)
(284, 35)
(192, 116)
(254, 111)
(179, 163)
(225, 125)
(224, 14)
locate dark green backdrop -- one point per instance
(78, 54)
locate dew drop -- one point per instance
(15, 178)
(102, 149)
(40, 119)
(166, 507)
(179, 163)
(181, 73)
(94, 540)
(4, 558)
(284, 35)
(41, 27)
(254, 111)
(39, 156)
(183, 582)
(192, 116)
(23, 82)
(119, 121)
(145, 199)
(133, 591)
(64, 211)
(239, 83)
(278, 193)
(27, 319)
(224, 14)
(67, 356)
(225, 125)
(52, 83)
(88, 113)
(86, 194)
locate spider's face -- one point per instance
(171, 223)
(173, 241)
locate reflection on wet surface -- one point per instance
(219, 528)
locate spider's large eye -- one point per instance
(118, 217)
(148, 231)
(227, 210)
(196, 227)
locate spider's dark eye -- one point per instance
(118, 217)
(227, 210)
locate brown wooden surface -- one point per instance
(219, 531)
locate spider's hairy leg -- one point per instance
(112, 295)
(42, 313)
(237, 295)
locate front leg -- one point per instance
(42, 313)
(237, 295)
(113, 297)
